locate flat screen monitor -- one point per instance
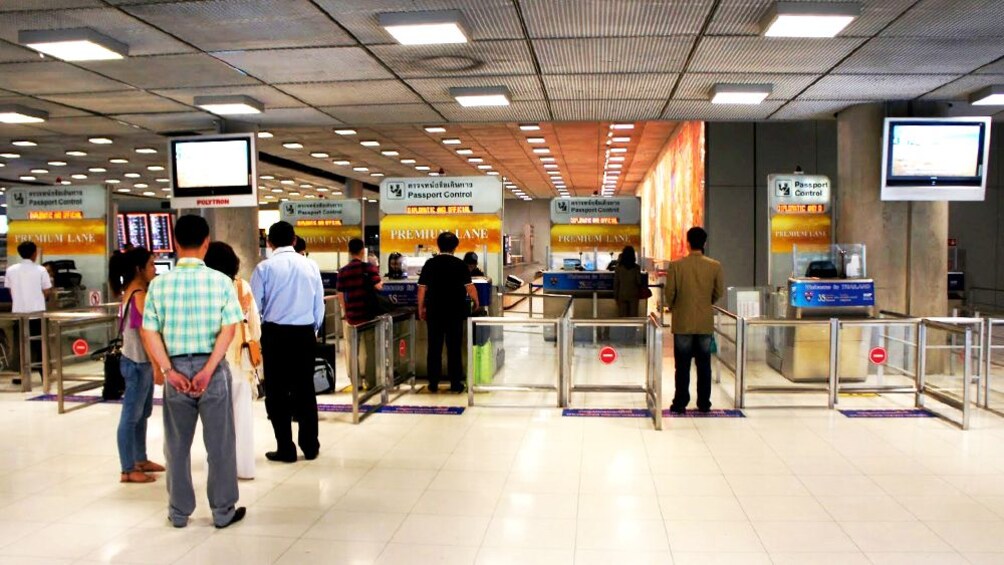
(935, 158)
(161, 238)
(162, 266)
(120, 231)
(220, 165)
(138, 230)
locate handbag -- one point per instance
(376, 303)
(250, 346)
(111, 356)
(644, 292)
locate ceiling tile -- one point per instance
(267, 95)
(438, 89)
(530, 111)
(623, 18)
(951, 19)
(916, 55)
(874, 87)
(348, 93)
(123, 102)
(54, 110)
(604, 110)
(742, 17)
(52, 77)
(19, 5)
(696, 86)
(172, 121)
(995, 68)
(705, 110)
(171, 71)
(318, 64)
(384, 114)
(613, 55)
(486, 19)
(88, 125)
(289, 117)
(961, 88)
(468, 59)
(770, 54)
(810, 109)
(14, 53)
(623, 86)
(215, 25)
(141, 38)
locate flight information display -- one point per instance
(161, 240)
(121, 231)
(138, 230)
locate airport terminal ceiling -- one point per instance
(572, 67)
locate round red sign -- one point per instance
(608, 355)
(80, 348)
(878, 355)
(402, 348)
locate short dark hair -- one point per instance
(628, 257)
(697, 237)
(447, 242)
(191, 231)
(221, 257)
(356, 246)
(301, 245)
(471, 258)
(281, 234)
(27, 249)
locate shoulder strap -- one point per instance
(125, 311)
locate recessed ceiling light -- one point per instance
(621, 126)
(341, 162)
(18, 114)
(10, 155)
(493, 173)
(475, 160)
(550, 165)
(425, 28)
(369, 143)
(361, 169)
(264, 135)
(465, 151)
(346, 131)
(451, 141)
(478, 96)
(98, 170)
(989, 96)
(541, 150)
(294, 193)
(435, 129)
(554, 173)
(113, 181)
(100, 140)
(146, 150)
(621, 139)
(154, 168)
(547, 159)
(484, 167)
(76, 153)
(287, 181)
(118, 160)
(618, 150)
(124, 190)
(57, 163)
(78, 176)
(163, 180)
(40, 171)
(614, 166)
(390, 153)
(148, 193)
(293, 145)
(141, 185)
(320, 155)
(535, 140)
(277, 190)
(305, 185)
(267, 177)
(132, 175)
(529, 127)
(23, 143)
(739, 93)
(616, 159)
(78, 44)
(434, 174)
(808, 19)
(230, 104)
(422, 168)
(26, 177)
(376, 174)
(408, 161)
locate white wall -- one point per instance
(519, 213)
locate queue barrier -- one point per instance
(20, 348)
(72, 372)
(377, 337)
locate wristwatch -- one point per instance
(164, 372)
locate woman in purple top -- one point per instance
(130, 273)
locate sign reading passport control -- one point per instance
(477, 195)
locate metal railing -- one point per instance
(74, 373)
(928, 387)
(332, 326)
(387, 378)
(18, 344)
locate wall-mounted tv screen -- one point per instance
(218, 165)
(935, 158)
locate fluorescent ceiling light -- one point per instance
(616, 159)
(264, 135)
(376, 174)
(425, 28)
(541, 150)
(100, 140)
(276, 190)
(78, 176)
(132, 175)
(40, 171)
(345, 131)
(146, 150)
(163, 180)
(79, 44)
(434, 174)
(808, 19)
(621, 126)
(113, 181)
(321, 189)
(493, 173)
(75, 153)
(23, 143)
(465, 152)
(529, 127)
(125, 190)
(65, 182)
(342, 162)
(155, 168)
(118, 160)
(535, 140)
(361, 169)
(476, 96)
(390, 153)
(475, 160)
(989, 96)
(305, 185)
(287, 181)
(550, 165)
(408, 161)
(10, 155)
(320, 155)
(422, 168)
(141, 185)
(615, 166)
(484, 167)
(554, 173)
(57, 163)
(26, 177)
(618, 149)
(370, 143)
(293, 145)
(98, 170)
(451, 141)
(739, 93)
(621, 139)
(18, 114)
(435, 129)
(229, 105)
(547, 159)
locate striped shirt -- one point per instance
(189, 305)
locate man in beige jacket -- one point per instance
(694, 284)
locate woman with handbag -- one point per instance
(130, 273)
(243, 357)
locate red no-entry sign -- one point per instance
(402, 348)
(80, 348)
(878, 355)
(608, 355)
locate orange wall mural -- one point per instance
(672, 194)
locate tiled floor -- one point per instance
(505, 486)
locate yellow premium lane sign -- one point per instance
(586, 237)
(402, 234)
(59, 237)
(801, 230)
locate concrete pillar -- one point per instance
(907, 241)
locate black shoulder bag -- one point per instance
(111, 356)
(376, 303)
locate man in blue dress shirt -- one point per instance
(290, 297)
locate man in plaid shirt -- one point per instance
(190, 318)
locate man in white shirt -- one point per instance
(29, 285)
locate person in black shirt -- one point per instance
(443, 289)
(471, 260)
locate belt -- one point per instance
(190, 355)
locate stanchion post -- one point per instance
(921, 362)
(987, 358)
(967, 377)
(740, 394)
(413, 349)
(354, 371)
(470, 361)
(385, 375)
(834, 362)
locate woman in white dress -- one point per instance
(243, 372)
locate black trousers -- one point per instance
(696, 347)
(451, 332)
(288, 355)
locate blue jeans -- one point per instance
(696, 347)
(137, 405)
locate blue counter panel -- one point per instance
(405, 293)
(578, 281)
(831, 294)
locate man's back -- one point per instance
(356, 282)
(445, 278)
(695, 283)
(27, 281)
(288, 289)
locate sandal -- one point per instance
(150, 467)
(136, 476)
